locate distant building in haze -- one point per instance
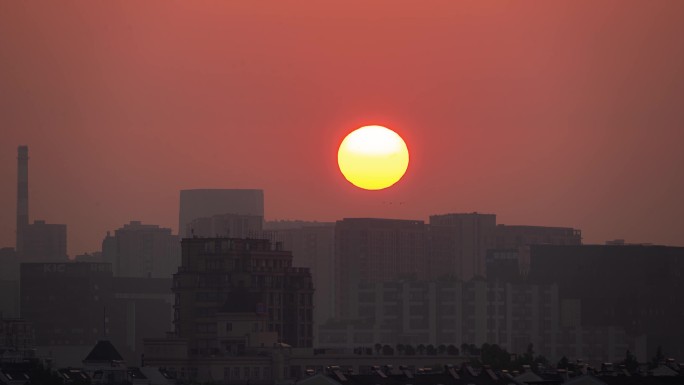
(226, 225)
(138, 250)
(635, 287)
(72, 305)
(43, 242)
(313, 246)
(205, 203)
(373, 250)
(459, 244)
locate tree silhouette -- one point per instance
(378, 348)
(400, 348)
(421, 349)
(431, 351)
(387, 350)
(452, 350)
(441, 349)
(410, 350)
(630, 362)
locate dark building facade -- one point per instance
(141, 250)
(66, 302)
(214, 268)
(636, 287)
(459, 244)
(44, 242)
(75, 304)
(373, 250)
(204, 203)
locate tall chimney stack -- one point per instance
(22, 196)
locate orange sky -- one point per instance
(549, 113)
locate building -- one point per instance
(226, 225)
(214, 268)
(373, 250)
(205, 203)
(313, 246)
(635, 287)
(43, 242)
(138, 250)
(459, 244)
(73, 305)
(22, 196)
(66, 302)
(17, 340)
(514, 236)
(9, 283)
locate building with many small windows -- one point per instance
(213, 270)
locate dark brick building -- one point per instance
(213, 268)
(636, 287)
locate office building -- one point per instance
(634, 287)
(73, 305)
(226, 225)
(205, 203)
(313, 246)
(459, 244)
(213, 269)
(373, 250)
(138, 250)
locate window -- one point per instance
(229, 327)
(236, 373)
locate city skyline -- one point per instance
(513, 110)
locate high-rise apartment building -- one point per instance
(44, 242)
(214, 269)
(205, 203)
(226, 225)
(138, 250)
(459, 244)
(72, 305)
(636, 287)
(313, 246)
(372, 250)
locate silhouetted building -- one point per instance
(513, 236)
(313, 246)
(503, 265)
(226, 225)
(213, 269)
(205, 203)
(459, 244)
(66, 302)
(9, 283)
(43, 242)
(17, 340)
(22, 195)
(72, 305)
(373, 250)
(635, 287)
(138, 250)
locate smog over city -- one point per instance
(354, 193)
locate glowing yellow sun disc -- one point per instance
(373, 157)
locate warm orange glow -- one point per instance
(373, 157)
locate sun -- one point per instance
(373, 157)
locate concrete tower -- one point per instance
(22, 196)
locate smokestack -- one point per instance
(22, 196)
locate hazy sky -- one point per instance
(548, 113)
